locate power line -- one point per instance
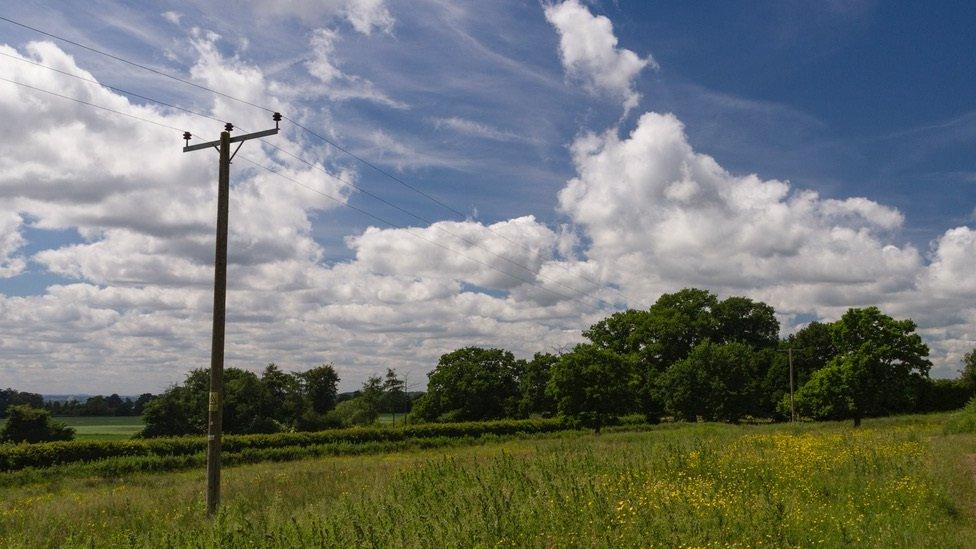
(433, 224)
(407, 229)
(310, 132)
(330, 142)
(317, 167)
(83, 102)
(113, 88)
(133, 63)
(364, 212)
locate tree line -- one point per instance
(98, 405)
(274, 401)
(690, 357)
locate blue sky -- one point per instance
(480, 105)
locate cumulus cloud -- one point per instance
(589, 52)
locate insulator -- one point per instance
(186, 136)
(228, 127)
(276, 117)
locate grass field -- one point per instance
(897, 482)
(101, 428)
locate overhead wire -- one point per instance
(328, 141)
(309, 131)
(299, 183)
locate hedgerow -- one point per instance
(251, 448)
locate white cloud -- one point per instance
(333, 82)
(589, 52)
(11, 240)
(477, 129)
(364, 15)
(173, 17)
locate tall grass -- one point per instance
(893, 483)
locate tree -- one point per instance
(394, 400)
(827, 395)
(592, 385)
(879, 363)
(716, 382)
(371, 397)
(968, 375)
(676, 323)
(282, 397)
(746, 321)
(532, 386)
(321, 387)
(11, 397)
(472, 384)
(28, 424)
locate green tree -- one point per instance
(282, 395)
(827, 395)
(592, 385)
(716, 382)
(28, 424)
(880, 361)
(532, 386)
(320, 386)
(743, 320)
(394, 400)
(968, 375)
(11, 397)
(472, 384)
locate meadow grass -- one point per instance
(100, 428)
(899, 482)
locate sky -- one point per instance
(518, 170)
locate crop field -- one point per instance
(899, 482)
(101, 428)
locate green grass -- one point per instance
(100, 428)
(899, 482)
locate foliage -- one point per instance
(394, 399)
(276, 401)
(963, 421)
(534, 399)
(320, 386)
(472, 384)
(100, 406)
(27, 424)
(968, 374)
(716, 382)
(593, 385)
(16, 457)
(877, 370)
(11, 397)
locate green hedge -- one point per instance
(247, 448)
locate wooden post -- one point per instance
(215, 407)
(792, 404)
(216, 400)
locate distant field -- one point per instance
(898, 482)
(100, 428)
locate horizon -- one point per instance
(538, 166)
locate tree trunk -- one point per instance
(857, 420)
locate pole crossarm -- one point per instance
(234, 139)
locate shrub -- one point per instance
(963, 421)
(20, 456)
(27, 424)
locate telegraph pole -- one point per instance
(792, 403)
(215, 406)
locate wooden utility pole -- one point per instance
(215, 406)
(792, 403)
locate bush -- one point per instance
(21, 456)
(27, 424)
(963, 421)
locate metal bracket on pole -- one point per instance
(236, 139)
